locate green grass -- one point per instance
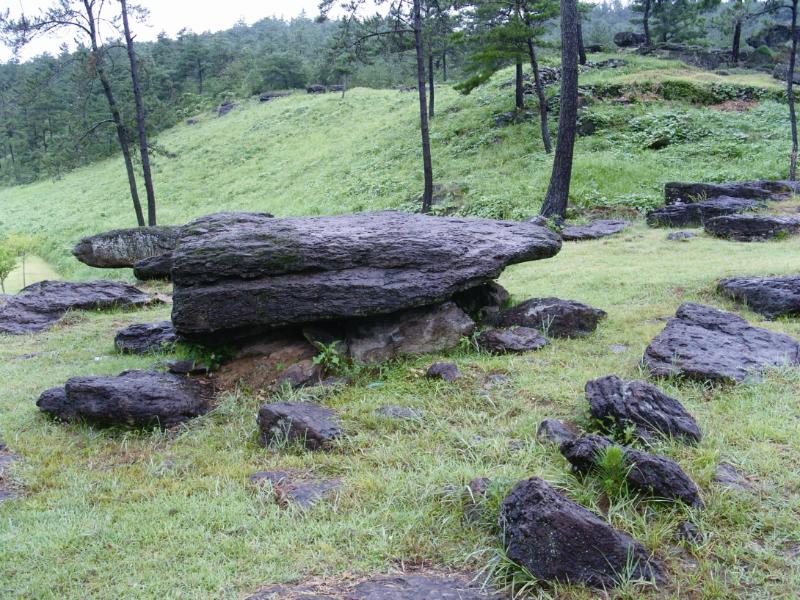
(36, 269)
(116, 514)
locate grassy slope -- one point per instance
(171, 515)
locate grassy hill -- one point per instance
(152, 514)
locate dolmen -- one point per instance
(42, 305)
(771, 297)
(243, 275)
(707, 344)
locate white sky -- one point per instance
(171, 16)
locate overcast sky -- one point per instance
(173, 15)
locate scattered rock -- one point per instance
(593, 231)
(689, 533)
(752, 228)
(303, 493)
(704, 343)
(443, 370)
(415, 331)
(730, 477)
(265, 365)
(652, 475)
(696, 213)
(314, 426)
(187, 367)
(421, 587)
(473, 500)
(629, 39)
(157, 267)
(305, 373)
(483, 302)
(316, 89)
(123, 248)
(622, 403)
(399, 413)
(681, 236)
(772, 297)
(131, 399)
(143, 338)
(558, 540)
(684, 193)
(224, 108)
(41, 305)
(556, 432)
(554, 317)
(233, 273)
(511, 339)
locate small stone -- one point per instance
(689, 533)
(681, 236)
(511, 339)
(730, 477)
(517, 445)
(554, 317)
(443, 370)
(143, 338)
(555, 432)
(421, 587)
(303, 493)
(314, 426)
(473, 499)
(594, 230)
(186, 367)
(399, 413)
(301, 374)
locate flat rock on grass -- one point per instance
(677, 192)
(41, 305)
(752, 228)
(681, 236)
(131, 399)
(558, 540)
(772, 297)
(730, 477)
(554, 317)
(511, 339)
(696, 213)
(638, 403)
(445, 371)
(290, 489)
(143, 338)
(650, 474)
(234, 273)
(556, 432)
(314, 426)
(707, 344)
(594, 230)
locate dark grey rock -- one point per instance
(752, 228)
(593, 231)
(224, 108)
(554, 317)
(143, 338)
(689, 533)
(267, 96)
(483, 302)
(123, 248)
(443, 370)
(511, 339)
(704, 343)
(556, 432)
(305, 373)
(652, 475)
(399, 413)
(131, 399)
(316, 427)
(558, 540)
(421, 587)
(691, 214)
(474, 500)
(301, 492)
(234, 273)
(415, 331)
(316, 89)
(156, 267)
(681, 236)
(613, 401)
(187, 367)
(629, 39)
(772, 297)
(730, 477)
(679, 192)
(41, 305)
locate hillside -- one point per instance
(152, 514)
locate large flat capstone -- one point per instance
(240, 273)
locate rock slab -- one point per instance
(593, 231)
(131, 399)
(691, 214)
(143, 338)
(772, 297)
(554, 317)
(301, 492)
(707, 344)
(511, 339)
(314, 426)
(558, 540)
(619, 403)
(243, 272)
(680, 192)
(41, 305)
(752, 228)
(123, 248)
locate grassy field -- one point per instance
(151, 514)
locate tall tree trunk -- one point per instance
(122, 136)
(737, 40)
(140, 119)
(519, 89)
(199, 78)
(430, 82)
(646, 21)
(790, 93)
(555, 202)
(427, 168)
(444, 65)
(581, 47)
(537, 84)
